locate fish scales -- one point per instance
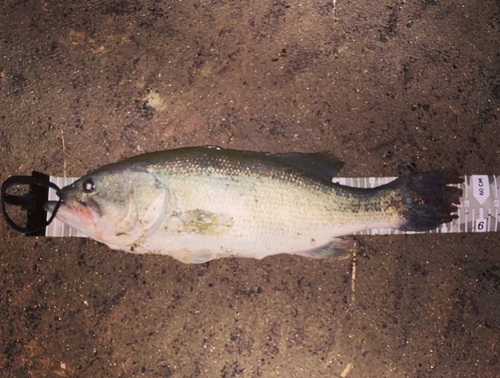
(297, 197)
(199, 204)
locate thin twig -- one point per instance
(353, 276)
(65, 164)
(75, 158)
(346, 370)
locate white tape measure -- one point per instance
(478, 211)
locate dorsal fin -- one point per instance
(321, 164)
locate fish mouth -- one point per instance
(73, 213)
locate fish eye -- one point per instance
(88, 185)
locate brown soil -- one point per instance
(388, 86)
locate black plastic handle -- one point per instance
(33, 202)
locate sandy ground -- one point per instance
(388, 86)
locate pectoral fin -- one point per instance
(203, 222)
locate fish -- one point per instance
(197, 204)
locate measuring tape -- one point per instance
(478, 211)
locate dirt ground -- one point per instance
(388, 86)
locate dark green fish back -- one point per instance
(321, 166)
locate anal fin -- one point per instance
(340, 248)
(188, 256)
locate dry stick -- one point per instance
(65, 164)
(347, 370)
(353, 276)
(75, 158)
(334, 2)
(65, 152)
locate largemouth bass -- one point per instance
(202, 203)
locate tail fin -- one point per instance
(428, 199)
